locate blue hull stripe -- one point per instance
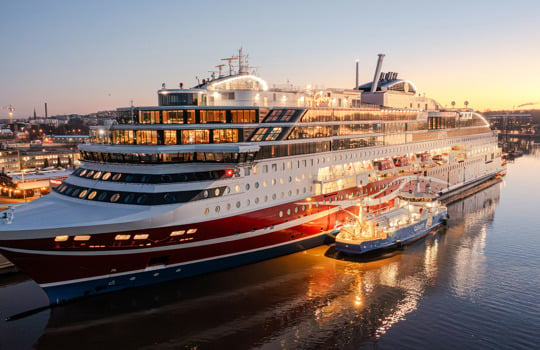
(59, 293)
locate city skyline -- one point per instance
(86, 57)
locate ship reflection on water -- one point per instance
(310, 299)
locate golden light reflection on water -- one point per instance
(469, 268)
(391, 288)
(430, 259)
(470, 260)
(413, 287)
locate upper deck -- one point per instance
(238, 107)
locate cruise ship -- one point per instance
(233, 171)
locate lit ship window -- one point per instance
(141, 236)
(122, 237)
(191, 231)
(61, 238)
(82, 238)
(177, 233)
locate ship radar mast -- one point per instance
(229, 63)
(242, 63)
(220, 69)
(243, 66)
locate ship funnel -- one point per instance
(375, 83)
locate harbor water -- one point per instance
(474, 284)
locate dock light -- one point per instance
(229, 172)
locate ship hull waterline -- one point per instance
(59, 292)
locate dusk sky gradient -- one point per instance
(86, 56)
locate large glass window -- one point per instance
(212, 116)
(259, 134)
(273, 134)
(195, 136)
(273, 116)
(169, 137)
(147, 137)
(190, 116)
(122, 137)
(243, 116)
(178, 99)
(173, 117)
(225, 135)
(149, 117)
(287, 116)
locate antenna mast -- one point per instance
(220, 68)
(229, 61)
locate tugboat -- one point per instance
(416, 215)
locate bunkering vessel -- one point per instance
(233, 171)
(416, 214)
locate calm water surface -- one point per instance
(472, 285)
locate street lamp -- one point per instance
(23, 189)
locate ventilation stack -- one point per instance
(375, 83)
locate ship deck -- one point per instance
(59, 212)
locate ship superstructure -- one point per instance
(232, 171)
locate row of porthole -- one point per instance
(148, 178)
(256, 185)
(238, 204)
(295, 210)
(274, 196)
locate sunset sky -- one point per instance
(86, 56)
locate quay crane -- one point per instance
(11, 109)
